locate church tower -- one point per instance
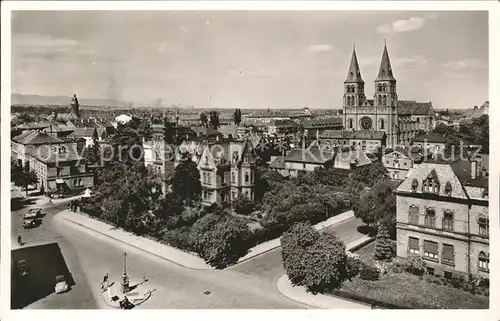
(385, 84)
(385, 99)
(354, 92)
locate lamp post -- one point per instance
(125, 280)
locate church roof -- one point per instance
(412, 107)
(385, 70)
(354, 73)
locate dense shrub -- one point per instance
(220, 239)
(383, 245)
(354, 264)
(178, 238)
(317, 261)
(243, 205)
(369, 273)
(294, 244)
(415, 265)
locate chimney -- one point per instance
(473, 169)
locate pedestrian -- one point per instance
(19, 240)
(105, 280)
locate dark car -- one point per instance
(22, 268)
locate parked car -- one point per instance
(22, 268)
(32, 218)
(61, 285)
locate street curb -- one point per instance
(279, 244)
(353, 246)
(138, 248)
(315, 300)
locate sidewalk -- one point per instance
(274, 244)
(299, 293)
(163, 251)
(321, 301)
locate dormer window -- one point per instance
(447, 188)
(431, 184)
(414, 185)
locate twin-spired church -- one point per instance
(396, 120)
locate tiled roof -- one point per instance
(36, 138)
(200, 130)
(443, 172)
(411, 107)
(358, 134)
(321, 123)
(277, 163)
(285, 123)
(310, 156)
(462, 169)
(431, 137)
(39, 125)
(88, 131)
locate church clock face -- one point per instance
(366, 123)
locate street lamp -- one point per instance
(125, 280)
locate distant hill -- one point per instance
(20, 99)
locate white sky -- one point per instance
(251, 59)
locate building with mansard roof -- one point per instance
(442, 216)
(399, 119)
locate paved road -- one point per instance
(269, 265)
(251, 284)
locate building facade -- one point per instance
(399, 119)
(400, 161)
(442, 216)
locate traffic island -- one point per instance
(136, 294)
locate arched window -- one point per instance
(247, 177)
(379, 87)
(348, 100)
(233, 177)
(380, 100)
(382, 124)
(413, 215)
(430, 217)
(448, 220)
(484, 262)
(350, 123)
(385, 100)
(384, 87)
(484, 226)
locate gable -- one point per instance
(442, 172)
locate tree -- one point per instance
(186, 181)
(243, 205)
(237, 117)
(317, 261)
(370, 174)
(383, 244)
(294, 243)
(326, 267)
(204, 119)
(220, 239)
(22, 176)
(376, 203)
(95, 149)
(214, 119)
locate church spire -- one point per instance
(385, 71)
(354, 74)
